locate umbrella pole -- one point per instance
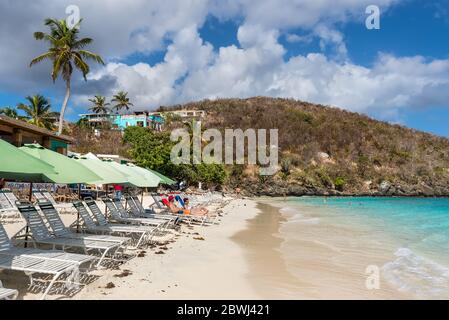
(141, 199)
(105, 206)
(27, 227)
(31, 192)
(78, 213)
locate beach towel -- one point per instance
(180, 201)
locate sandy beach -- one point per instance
(248, 255)
(196, 263)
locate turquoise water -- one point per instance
(419, 227)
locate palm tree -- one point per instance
(99, 105)
(121, 101)
(38, 111)
(66, 52)
(10, 112)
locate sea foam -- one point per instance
(417, 275)
(290, 211)
(296, 217)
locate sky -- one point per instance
(176, 51)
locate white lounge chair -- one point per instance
(83, 261)
(41, 235)
(5, 205)
(119, 214)
(137, 210)
(63, 207)
(140, 234)
(60, 230)
(8, 294)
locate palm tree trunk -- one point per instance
(64, 105)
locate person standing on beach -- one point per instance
(237, 191)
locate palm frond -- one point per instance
(92, 56)
(46, 55)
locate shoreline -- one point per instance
(267, 196)
(258, 251)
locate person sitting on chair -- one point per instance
(201, 211)
(174, 208)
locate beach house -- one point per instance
(154, 120)
(18, 133)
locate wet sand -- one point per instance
(309, 259)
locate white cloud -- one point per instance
(392, 83)
(192, 69)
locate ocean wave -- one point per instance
(290, 211)
(305, 220)
(417, 275)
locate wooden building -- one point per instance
(19, 132)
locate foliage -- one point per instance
(99, 105)
(83, 123)
(66, 52)
(362, 152)
(38, 111)
(152, 149)
(9, 112)
(121, 101)
(339, 183)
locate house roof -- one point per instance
(19, 124)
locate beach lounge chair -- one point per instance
(83, 261)
(38, 196)
(7, 294)
(41, 235)
(60, 230)
(140, 234)
(121, 216)
(10, 196)
(63, 207)
(34, 265)
(157, 204)
(192, 218)
(137, 210)
(5, 205)
(34, 261)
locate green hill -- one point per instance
(323, 150)
(326, 150)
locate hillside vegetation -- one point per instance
(327, 150)
(323, 150)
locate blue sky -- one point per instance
(166, 53)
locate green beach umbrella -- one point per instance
(20, 166)
(135, 178)
(164, 179)
(68, 170)
(108, 174)
(152, 179)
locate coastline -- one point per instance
(262, 249)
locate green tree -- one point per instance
(10, 112)
(99, 105)
(66, 51)
(83, 123)
(339, 183)
(152, 149)
(121, 101)
(38, 111)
